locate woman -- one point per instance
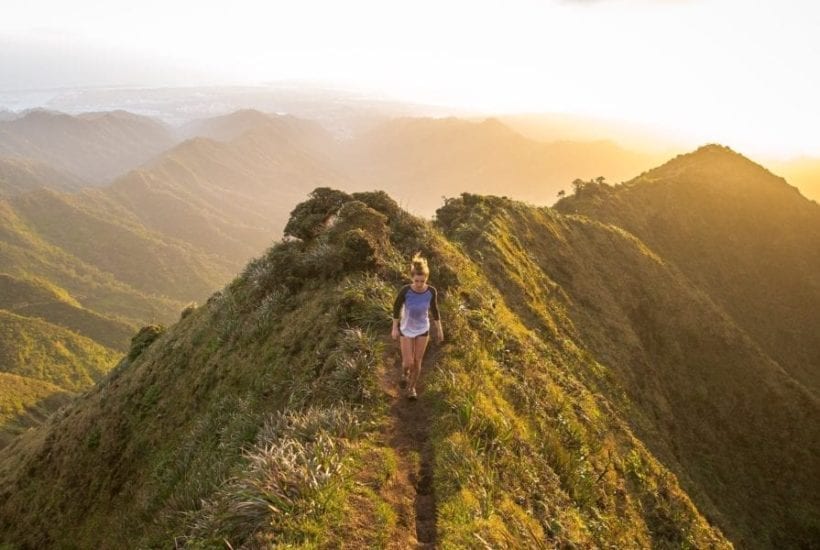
(419, 301)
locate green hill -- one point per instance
(266, 417)
(20, 175)
(25, 403)
(41, 364)
(602, 384)
(150, 263)
(95, 147)
(42, 351)
(740, 233)
(25, 255)
(739, 432)
(228, 198)
(41, 299)
(101, 261)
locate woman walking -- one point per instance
(414, 306)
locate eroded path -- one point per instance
(411, 493)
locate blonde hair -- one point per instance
(419, 266)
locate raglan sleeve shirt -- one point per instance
(418, 308)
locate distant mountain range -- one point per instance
(93, 147)
(19, 175)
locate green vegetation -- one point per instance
(738, 232)
(25, 255)
(257, 419)
(593, 390)
(42, 351)
(694, 387)
(41, 299)
(41, 366)
(25, 403)
(92, 232)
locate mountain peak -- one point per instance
(712, 162)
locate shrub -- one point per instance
(190, 308)
(379, 201)
(357, 215)
(310, 218)
(287, 483)
(143, 339)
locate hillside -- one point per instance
(267, 416)
(228, 198)
(19, 175)
(42, 351)
(742, 234)
(738, 431)
(25, 403)
(77, 279)
(95, 147)
(40, 299)
(232, 184)
(100, 262)
(96, 234)
(43, 364)
(26, 255)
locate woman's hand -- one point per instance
(440, 335)
(395, 333)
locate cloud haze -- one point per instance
(720, 70)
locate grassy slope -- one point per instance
(25, 255)
(699, 392)
(41, 299)
(25, 403)
(254, 419)
(36, 349)
(20, 175)
(94, 146)
(149, 262)
(737, 231)
(226, 198)
(42, 363)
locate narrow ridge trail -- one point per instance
(406, 432)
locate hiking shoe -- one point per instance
(412, 394)
(403, 381)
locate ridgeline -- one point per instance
(587, 394)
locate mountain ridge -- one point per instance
(531, 433)
(736, 230)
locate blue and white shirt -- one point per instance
(418, 307)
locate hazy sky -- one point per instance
(740, 72)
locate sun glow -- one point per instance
(738, 73)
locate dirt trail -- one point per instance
(411, 493)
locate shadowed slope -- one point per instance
(40, 299)
(736, 231)
(737, 429)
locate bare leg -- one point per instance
(419, 346)
(407, 352)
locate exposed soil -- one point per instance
(411, 492)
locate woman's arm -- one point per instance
(435, 315)
(399, 301)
